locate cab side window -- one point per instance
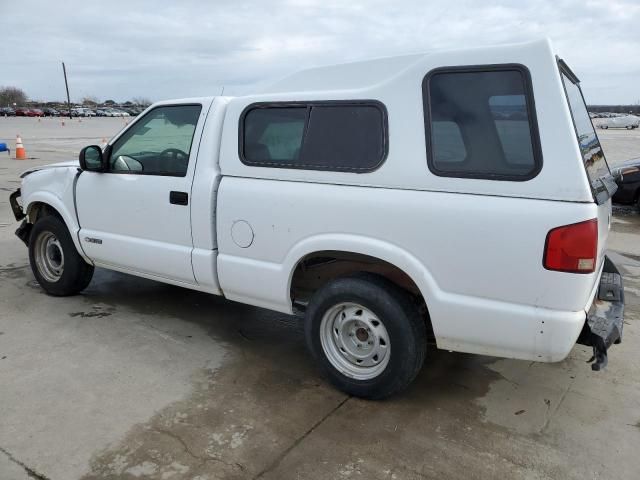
(157, 144)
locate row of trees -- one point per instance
(94, 101)
(15, 95)
(11, 95)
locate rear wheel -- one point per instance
(54, 260)
(367, 335)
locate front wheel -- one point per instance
(367, 335)
(55, 262)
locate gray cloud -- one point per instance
(121, 49)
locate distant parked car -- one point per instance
(119, 113)
(115, 112)
(628, 180)
(82, 112)
(626, 121)
(29, 112)
(50, 112)
(7, 112)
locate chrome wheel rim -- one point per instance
(49, 256)
(355, 341)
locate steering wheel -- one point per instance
(175, 159)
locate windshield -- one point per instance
(592, 154)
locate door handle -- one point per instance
(179, 198)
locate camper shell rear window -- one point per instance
(480, 123)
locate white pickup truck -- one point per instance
(457, 198)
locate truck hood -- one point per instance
(67, 164)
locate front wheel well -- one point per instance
(316, 269)
(37, 210)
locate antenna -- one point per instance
(222, 91)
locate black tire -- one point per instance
(75, 272)
(400, 316)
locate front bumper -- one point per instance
(15, 206)
(603, 325)
(24, 230)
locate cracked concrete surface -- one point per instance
(14, 469)
(138, 380)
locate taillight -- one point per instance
(572, 248)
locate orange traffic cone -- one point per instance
(21, 153)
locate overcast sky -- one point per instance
(155, 49)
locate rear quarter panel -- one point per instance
(477, 259)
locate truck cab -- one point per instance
(458, 199)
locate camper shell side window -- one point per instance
(340, 135)
(480, 122)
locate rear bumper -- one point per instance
(604, 322)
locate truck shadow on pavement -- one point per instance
(267, 413)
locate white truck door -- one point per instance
(136, 215)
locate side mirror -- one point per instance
(91, 159)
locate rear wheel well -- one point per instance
(316, 269)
